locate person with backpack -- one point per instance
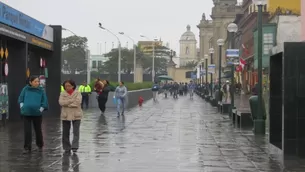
(155, 89)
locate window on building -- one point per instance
(268, 42)
(99, 64)
(187, 51)
(268, 38)
(94, 64)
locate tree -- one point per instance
(127, 62)
(74, 52)
(191, 64)
(111, 66)
(160, 64)
(162, 53)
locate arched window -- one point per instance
(187, 51)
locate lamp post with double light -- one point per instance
(211, 50)
(220, 43)
(259, 122)
(119, 49)
(232, 29)
(134, 55)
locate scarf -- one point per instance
(70, 92)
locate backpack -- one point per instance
(155, 88)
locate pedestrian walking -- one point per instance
(85, 90)
(155, 90)
(71, 113)
(33, 101)
(120, 95)
(103, 96)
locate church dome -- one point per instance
(188, 35)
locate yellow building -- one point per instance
(284, 6)
(275, 7)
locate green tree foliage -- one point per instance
(111, 66)
(127, 62)
(191, 64)
(74, 51)
(161, 54)
(160, 64)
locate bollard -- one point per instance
(253, 101)
(259, 120)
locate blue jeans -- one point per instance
(120, 101)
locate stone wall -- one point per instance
(288, 30)
(132, 98)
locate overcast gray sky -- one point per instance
(163, 18)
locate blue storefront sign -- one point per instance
(23, 22)
(194, 76)
(232, 56)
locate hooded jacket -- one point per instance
(33, 101)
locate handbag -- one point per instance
(114, 100)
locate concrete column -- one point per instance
(139, 71)
(17, 63)
(303, 19)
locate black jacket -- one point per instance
(104, 94)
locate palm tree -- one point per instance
(191, 64)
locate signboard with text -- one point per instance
(17, 19)
(211, 68)
(232, 56)
(16, 34)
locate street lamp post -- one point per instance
(87, 56)
(206, 71)
(119, 48)
(232, 29)
(134, 55)
(202, 64)
(153, 56)
(211, 50)
(200, 77)
(220, 43)
(259, 123)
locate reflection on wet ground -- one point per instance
(173, 135)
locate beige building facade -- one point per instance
(223, 13)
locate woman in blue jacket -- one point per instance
(33, 101)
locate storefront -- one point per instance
(27, 47)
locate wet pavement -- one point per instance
(170, 136)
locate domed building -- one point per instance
(188, 50)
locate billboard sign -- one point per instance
(232, 56)
(16, 34)
(211, 68)
(23, 22)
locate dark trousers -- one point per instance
(102, 103)
(36, 121)
(66, 126)
(85, 100)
